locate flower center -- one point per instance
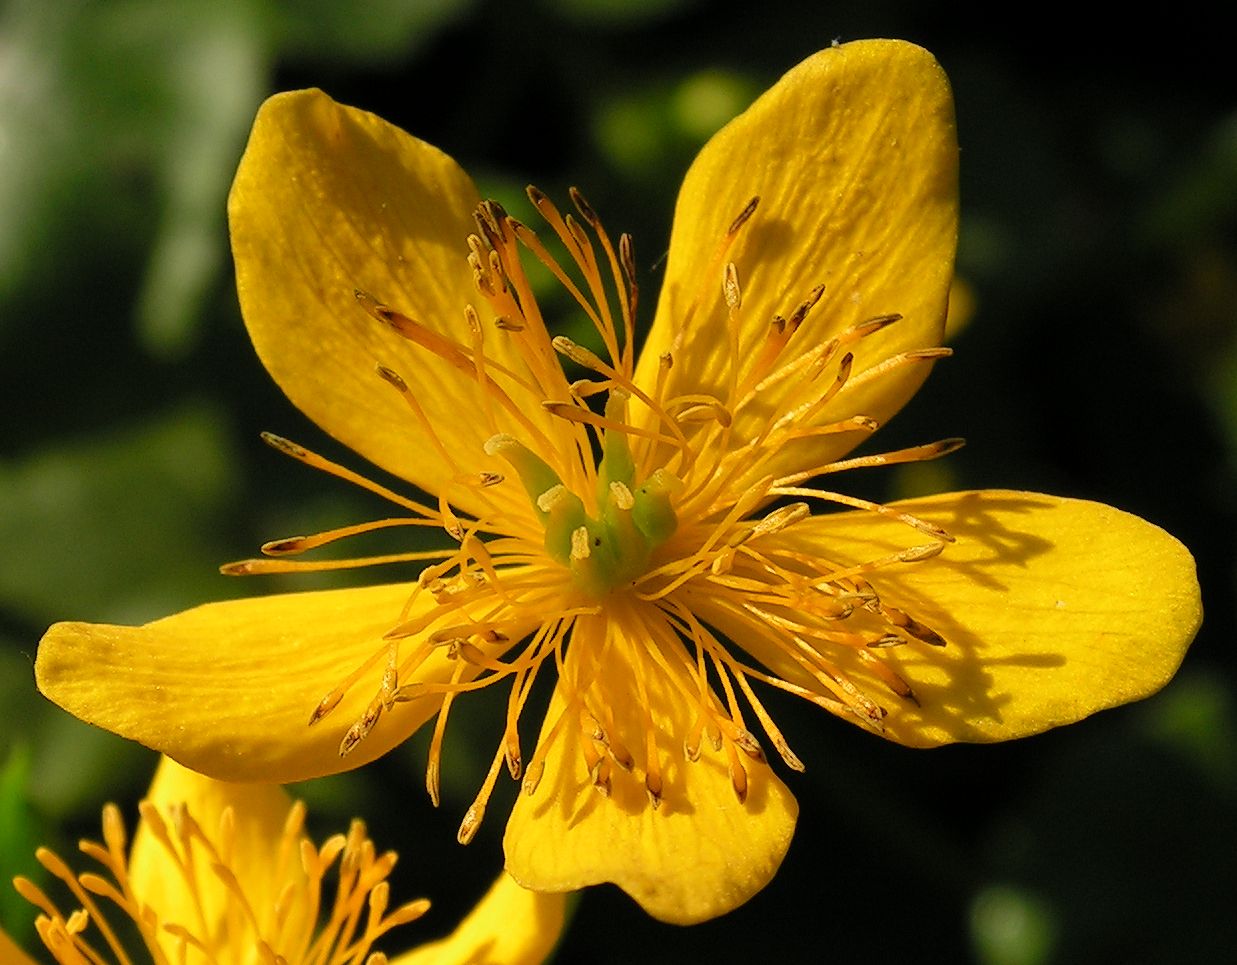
(611, 547)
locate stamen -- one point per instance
(922, 453)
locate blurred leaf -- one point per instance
(36, 133)
(644, 133)
(618, 11)
(704, 101)
(213, 85)
(1202, 198)
(1196, 716)
(1010, 927)
(368, 33)
(123, 120)
(118, 527)
(18, 839)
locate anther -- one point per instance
(748, 210)
(472, 821)
(621, 496)
(578, 353)
(738, 779)
(875, 324)
(360, 730)
(532, 777)
(582, 205)
(731, 289)
(653, 786)
(325, 705)
(800, 313)
(286, 446)
(580, 544)
(916, 554)
(391, 376)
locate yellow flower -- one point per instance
(223, 873)
(655, 533)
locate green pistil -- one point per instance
(610, 551)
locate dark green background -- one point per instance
(1099, 237)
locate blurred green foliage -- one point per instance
(1099, 240)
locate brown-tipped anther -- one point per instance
(326, 705)
(576, 232)
(746, 741)
(923, 633)
(505, 324)
(748, 210)
(875, 324)
(491, 220)
(391, 376)
(800, 313)
(627, 256)
(283, 547)
(515, 763)
(777, 325)
(789, 757)
(536, 196)
(360, 730)
(944, 447)
(665, 361)
(582, 205)
(286, 446)
(691, 750)
(488, 479)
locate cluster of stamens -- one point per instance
(640, 506)
(284, 930)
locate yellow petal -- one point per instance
(228, 688)
(329, 199)
(1051, 608)
(853, 156)
(10, 953)
(509, 926)
(258, 815)
(699, 854)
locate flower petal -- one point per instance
(258, 815)
(700, 854)
(1051, 609)
(509, 926)
(327, 200)
(853, 156)
(228, 688)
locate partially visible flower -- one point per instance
(224, 874)
(659, 531)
